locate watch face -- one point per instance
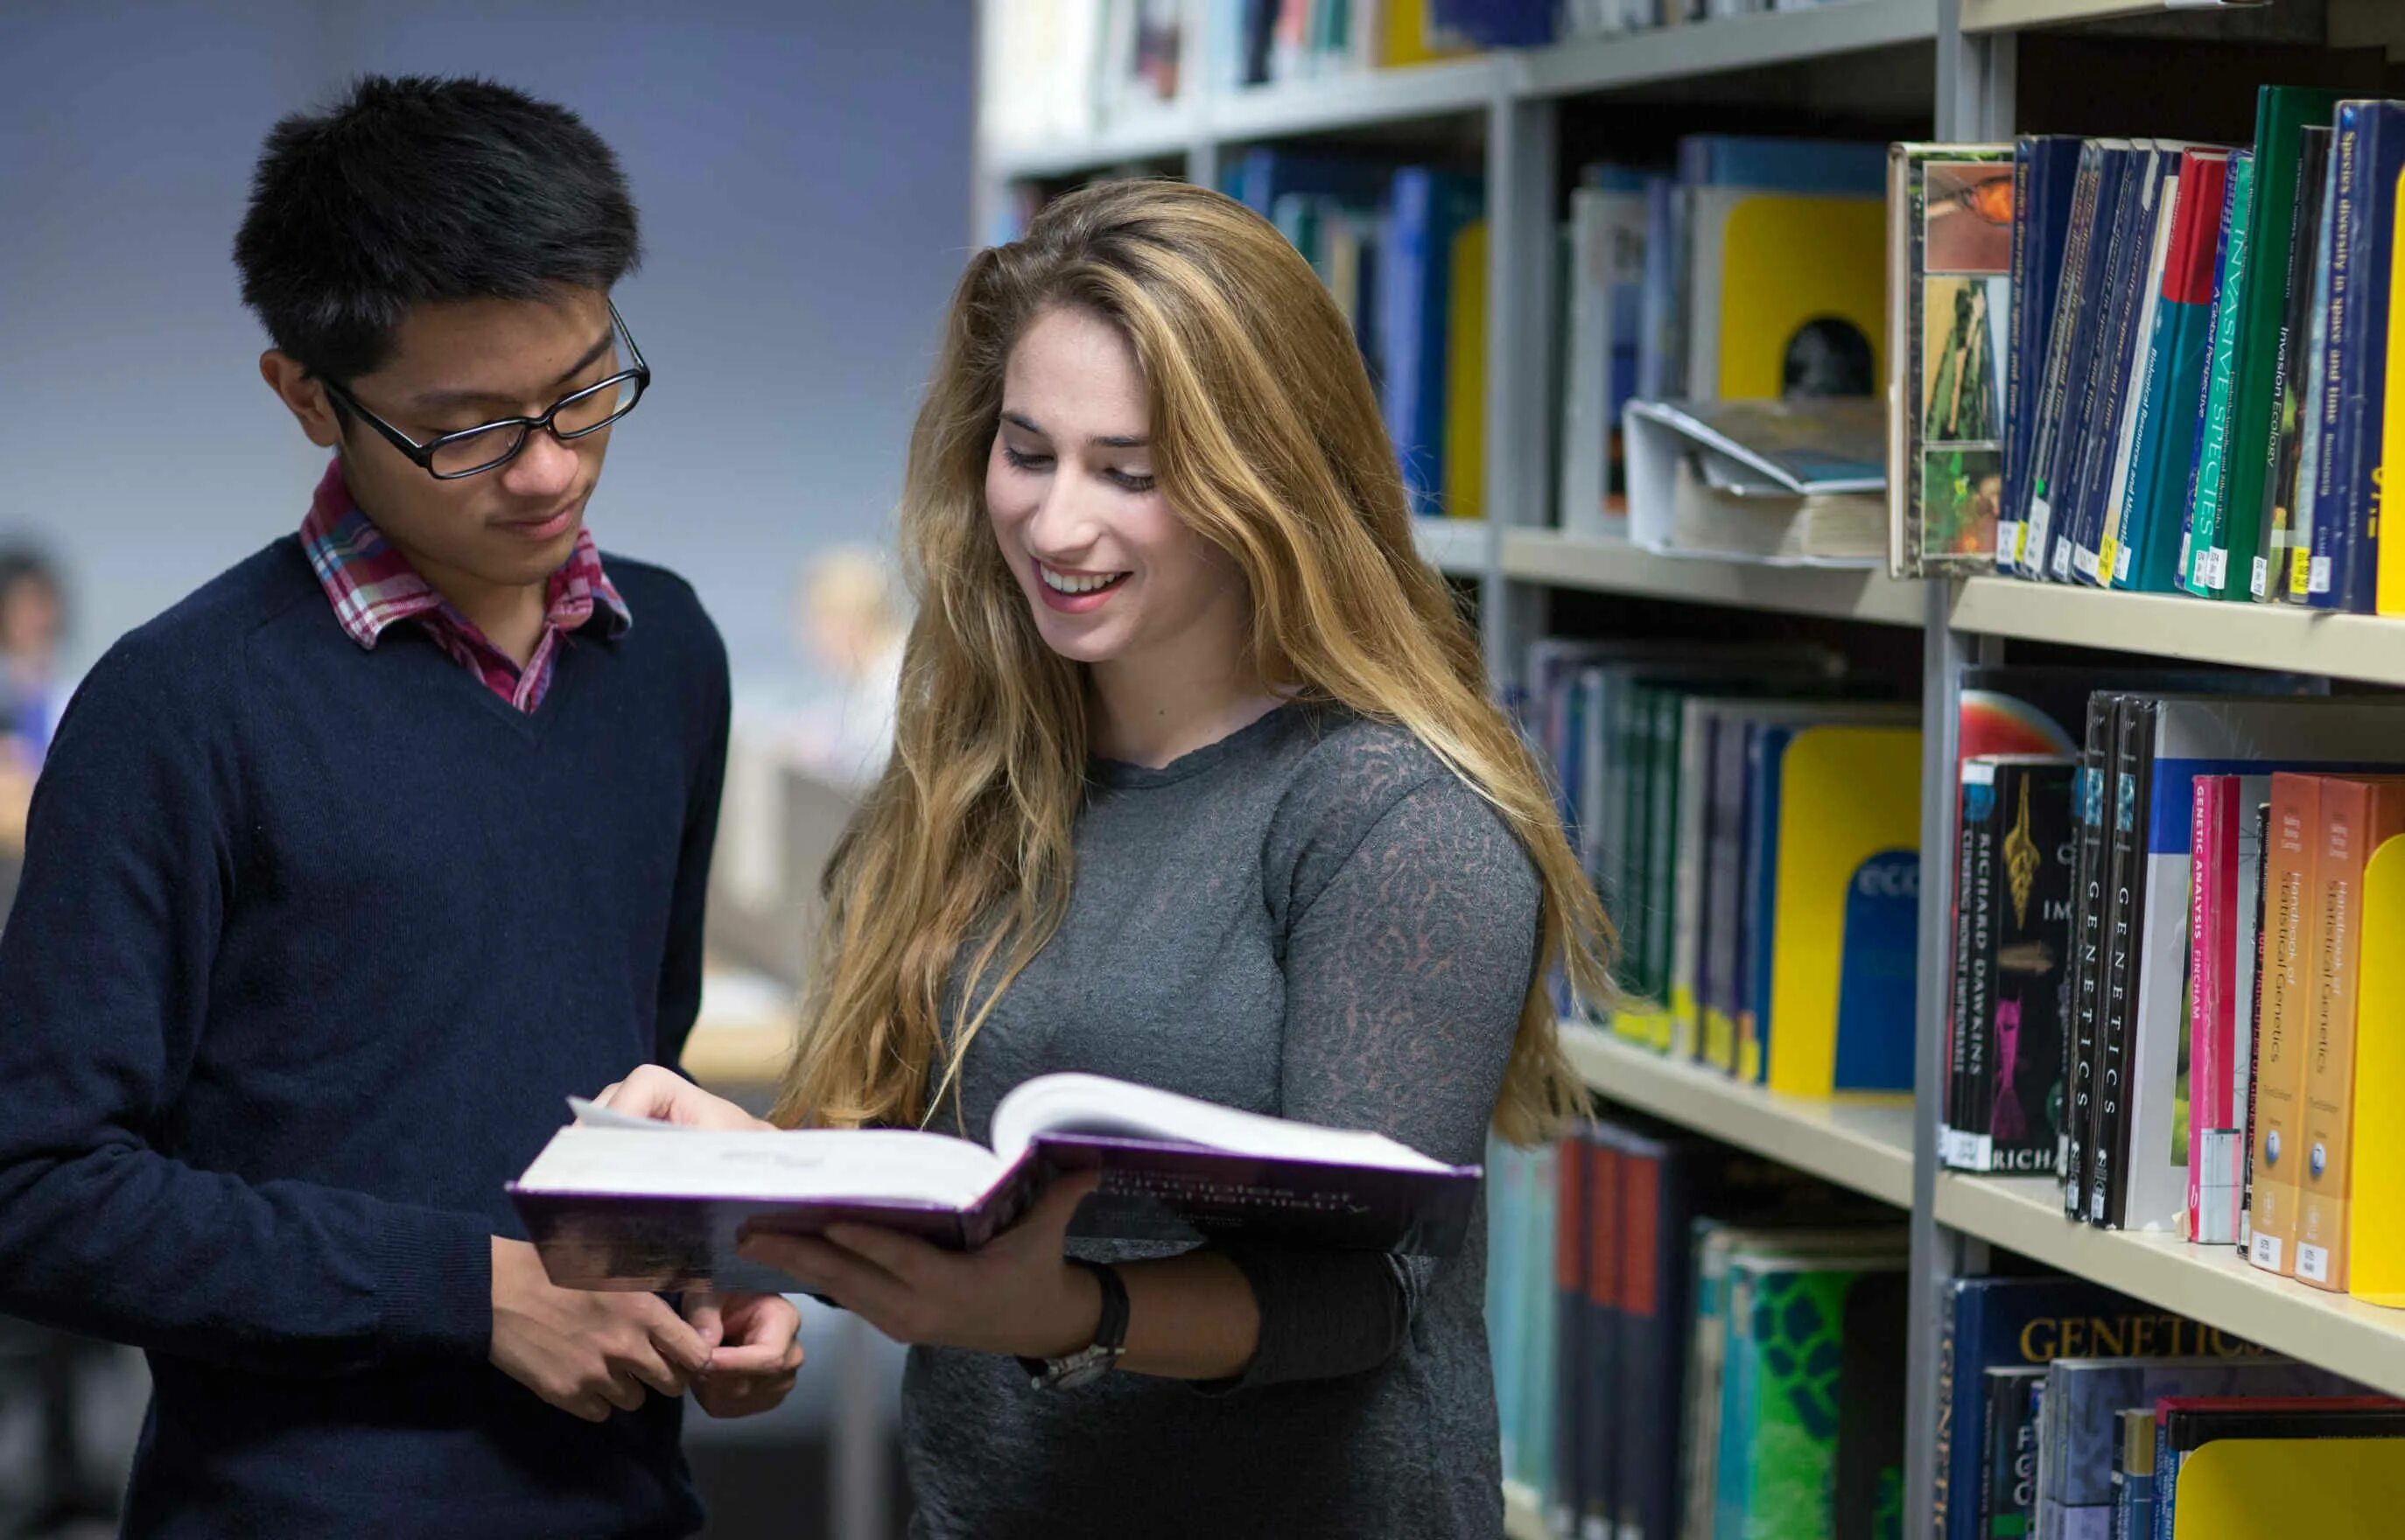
(1083, 1368)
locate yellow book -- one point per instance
(1845, 912)
(1403, 36)
(1790, 294)
(2390, 599)
(2276, 1489)
(2376, 1269)
(1465, 374)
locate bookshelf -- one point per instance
(1946, 69)
(1864, 1143)
(1605, 566)
(2163, 626)
(1524, 1517)
(2208, 1283)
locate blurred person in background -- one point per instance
(345, 869)
(1197, 784)
(32, 618)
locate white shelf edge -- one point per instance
(1701, 49)
(1862, 1143)
(1524, 1516)
(1456, 547)
(2208, 1283)
(1616, 566)
(1365, 99)
(1144, 134)
(2253, 636)
(2013, 15)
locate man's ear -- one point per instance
(301, 396)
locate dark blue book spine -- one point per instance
(2381, 160)
(2053, 562)
(2031, 518)
(2100, 417)
(2339, 363)
(2017, 364)
(1767, 757)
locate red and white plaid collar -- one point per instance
(373, 586)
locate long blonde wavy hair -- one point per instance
(1266, 440)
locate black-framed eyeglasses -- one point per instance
(472, 451)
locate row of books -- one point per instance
(2174, 975)
(2153, 365)
(1692, 1342)
(1609, 18)
(1750, 815)
(1062, 70)
(1748, 270)
(2039, 1377)
(1403, 250)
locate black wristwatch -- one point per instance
(1090, 1363)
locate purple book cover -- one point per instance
(1152, 1190)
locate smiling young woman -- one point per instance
(1195, 783)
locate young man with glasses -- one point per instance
(346, 869)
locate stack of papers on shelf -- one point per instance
(1798, 480)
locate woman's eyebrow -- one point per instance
(1114, 440)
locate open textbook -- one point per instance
(620, 1202)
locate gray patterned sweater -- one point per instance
(1313, 918)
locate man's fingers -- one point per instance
(592, 1409)
(676, 1339)
(707, 1317)
(621, 1391)
(756, 1358)
(655, 1371)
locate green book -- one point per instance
(1662, 858)
(2198, 570)
(2281, 115)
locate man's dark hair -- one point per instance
(414, 189)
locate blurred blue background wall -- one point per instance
(802, 170)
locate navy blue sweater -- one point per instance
(310, 944)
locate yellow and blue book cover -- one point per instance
(1847, 911)
(1791, 295)
(1465, 375)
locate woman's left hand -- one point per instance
(1019, 1295)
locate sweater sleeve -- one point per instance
(1405, 973)
(681, 963)
(136, 847)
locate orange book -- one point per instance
(2358, 817)
(2290, 943)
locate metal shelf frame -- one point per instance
(1514, 100)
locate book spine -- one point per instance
(1944, 1485)
(2217, 1106)
(2037, 519)
(2282, 115)
(2289, 948)
(2276, 530)
(2133, 474)
(1573, 1165)
(2251, 1042)
(1977, 789)
(2092, 363)
(2382, 330)
(2016, 370)
(2025, 964)
(2229, 195)
(2105, 453)
(1978, 1141)
(2337, 353)
(1599, 1389)
(2079, 1039)
(2208, 550)
(2109, 1170)
(2206, 1082)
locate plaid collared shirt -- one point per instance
(372, 587)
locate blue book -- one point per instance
(1782, 165)
(1259, 177)
(2242, 165)
(1493, 24)
(2097, 422)
(1425, 209)
(2045, 169)
(2360, 358)
(2055, 458)
(1992, 1323)
(1661, 342)
(1766, 754)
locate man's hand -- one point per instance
(583, 1352)
(754, 1350)
(655, 1091)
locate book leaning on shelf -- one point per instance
(616, 1202)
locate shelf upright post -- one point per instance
(1974, 101)
(1520, 180)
